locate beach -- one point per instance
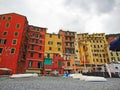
(56, 83)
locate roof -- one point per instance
(13, 13)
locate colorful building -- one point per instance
(115, 56)
(13, 42)
(94, 50)
(53, 47)
(68, 39)
(35, 50)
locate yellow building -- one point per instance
(93, 50)
(115, 56)
(53, 44)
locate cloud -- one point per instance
(101, 6)
(96, 15)
(90, 16)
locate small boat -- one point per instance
(23, 75)
(88, 78)
(95, 79)
(5, 69)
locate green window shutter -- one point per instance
(48, 61)
(59, 64)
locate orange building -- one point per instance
(68, 39)
(13, 34)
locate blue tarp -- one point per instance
(115, 45)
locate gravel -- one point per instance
(56, 83)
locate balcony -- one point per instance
(69, 47)
(35, 31)
(37, 51)
(35, 44)
(70, 40)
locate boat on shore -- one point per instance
(87, 78)
(23, 75)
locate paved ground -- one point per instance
(56, 83)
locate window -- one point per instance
(59, 43)
(5, 33)
(12, 51)
(40, 64)
(30, 63)
(68, 63)
(98, 46)
(7, 25)
(3, 41)
(41, 36)
(36, 35)
(31, 54)
(3, 18)
(17, 25)
(104, 61)
(50, 42)
(50, 48)
(9, 18)
(40, 47)
(50, 35)
(59, 64)
(66, 44)
(14, 41)
(36, 40)
(1, 49)
(111, 53)
(48, 55)
(16, 33)
(97, 60)
(58, 49)
(32, 40)
(32, 47)
(40, 55)
(58, 36)
(94, 46)
(117, 53)
(40, 41)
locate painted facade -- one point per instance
(53, 47)
(93, 49)
(115, 56)
(35, 54)
(13, 34)
(27, 48)
(68, 50)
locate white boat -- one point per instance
(23, 75)
(95, 79)
(87, 78)
(5, 69)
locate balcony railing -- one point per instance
(36, 44)
(34, 51)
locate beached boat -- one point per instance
(87, 78)
(23, 75)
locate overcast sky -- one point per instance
(82, 16)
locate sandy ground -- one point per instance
(56, 83)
